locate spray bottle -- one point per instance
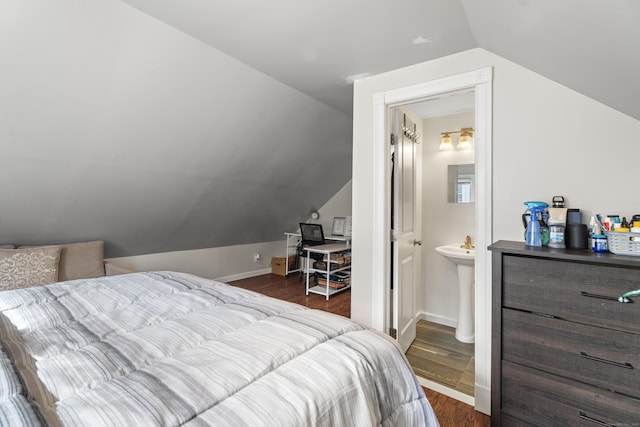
(533, 236)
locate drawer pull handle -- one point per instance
(587, 294)
(625, 297)
(625, 365)
(593, 420)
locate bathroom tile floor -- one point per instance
(437, 356)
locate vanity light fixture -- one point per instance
(464, 142)
(445, 142)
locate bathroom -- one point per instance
(443, 220)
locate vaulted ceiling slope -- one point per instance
(162, 125)
(590, 46)
(116, 126)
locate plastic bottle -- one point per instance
(544, 229)
(599, 243)
(533, 236)
(557, 226)
(614, 222)
(533, 232)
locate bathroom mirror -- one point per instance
(461, 183)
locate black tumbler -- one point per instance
(574, 216)
(576, 236)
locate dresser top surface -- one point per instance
(578, 255)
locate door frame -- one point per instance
(481, 82)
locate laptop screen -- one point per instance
(312, 234)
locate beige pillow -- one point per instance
(22, 268)
(83, 260)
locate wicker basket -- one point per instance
(625, 243)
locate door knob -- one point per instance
(417, 242)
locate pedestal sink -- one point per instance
(464, 259)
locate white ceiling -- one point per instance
(445, 105)
(315, 46)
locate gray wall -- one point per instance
(118, 127)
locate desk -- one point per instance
(332, 268)
(296, 239)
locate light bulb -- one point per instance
(464, 143)
(445, 143)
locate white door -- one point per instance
(404, 259)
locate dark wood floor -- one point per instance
(450, 412)
(292, 289)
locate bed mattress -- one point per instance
(174, 349)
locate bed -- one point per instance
(174, 349)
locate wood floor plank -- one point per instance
(453, 413)
(438, 356)
(429, 352)
(433, 332)
(292, 288)
(437, 372)
(450, 412)
(467, 382)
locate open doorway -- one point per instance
(443, 352)
(480, 82)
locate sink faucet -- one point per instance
(467, 243)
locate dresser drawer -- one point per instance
(581, 292)
(606, 358)
(537, 398)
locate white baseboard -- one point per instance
(483, 399)
(435, 318)
(244, 275)
(454, 394)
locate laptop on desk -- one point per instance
(312, 234)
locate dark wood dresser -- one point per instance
(565, 352)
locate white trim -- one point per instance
(380, 249)
(483, 397)
(436, 318)
(442, 389)
(435, 87)
(484, 233)
(480, 80)
(246, 275)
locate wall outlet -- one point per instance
(257, 258)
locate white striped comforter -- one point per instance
(169, 349)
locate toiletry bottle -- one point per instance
(614, 222)
(594, 228)
(599, 243)
(557, 226)
(532, 235)
(544, 229)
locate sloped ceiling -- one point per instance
(162, 125)
(587, 45)
(118, 127)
